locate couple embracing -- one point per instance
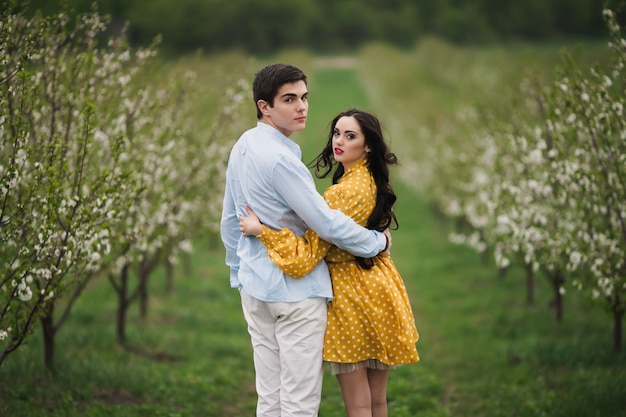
(316, 279)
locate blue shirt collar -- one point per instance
(275, 133)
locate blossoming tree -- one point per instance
(62, 184)
(101, 167)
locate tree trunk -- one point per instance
(502, 271)
(556, 280)
(143, 292)
(530, 284)
(122, 306)
(557, 283)
(169, 277)
(485, 256)
(618, 314)
(187, 264)
(47, 326)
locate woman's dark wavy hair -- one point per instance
(378, 161)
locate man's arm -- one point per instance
(229, 231)
(294, 183)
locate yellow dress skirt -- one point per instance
(370, 320)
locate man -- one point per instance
(286, 316)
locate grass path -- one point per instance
(414, 390)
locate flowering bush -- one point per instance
(100, 166)
(536, 176)
(557, 196)
(586, 139)
(62, 142)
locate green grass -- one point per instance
(197, 363)
(484, 352)
(489, 352)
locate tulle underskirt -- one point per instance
(345, 368)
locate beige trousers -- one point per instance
(287, 341)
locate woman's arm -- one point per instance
(295, 255)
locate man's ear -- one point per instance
(263, 106)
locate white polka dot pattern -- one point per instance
(370, 316)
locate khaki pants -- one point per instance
(287, 340)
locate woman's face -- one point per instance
(348, 142)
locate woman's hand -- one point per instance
(250, 225)
(387, 251)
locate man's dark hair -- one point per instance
(269, 79)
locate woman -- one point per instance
(370, 325)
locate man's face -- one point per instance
(290, 108)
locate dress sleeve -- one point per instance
(335, 226)
(295, 255)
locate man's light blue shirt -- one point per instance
(265, 172)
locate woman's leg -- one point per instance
(378, 391)
(356, 393)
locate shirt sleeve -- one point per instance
(230, 234)
(298, 191)
(298, 255)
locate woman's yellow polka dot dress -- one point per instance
(370, 316)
